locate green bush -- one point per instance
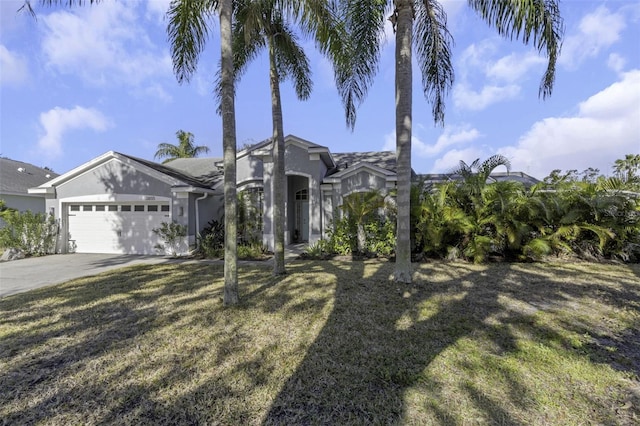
(254, 251)
(321, 249)
(173, 234)
(381, 237)
(343, 236)
(211, 240)
(33, 233)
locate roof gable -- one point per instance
(371, 168)
(163, 173)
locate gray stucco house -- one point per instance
(16, 177)
(112, 203)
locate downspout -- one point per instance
(198, 217)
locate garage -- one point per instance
(118, 228)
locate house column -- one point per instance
(267, 217)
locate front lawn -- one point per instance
(330, 343)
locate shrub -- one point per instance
(321, 249)
(173, 234)
(211, 240)
(343, 236)
(381, 237)
(33, 233)
(254, 251)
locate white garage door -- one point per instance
(121, 228)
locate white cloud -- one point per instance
(616, 62)
(14, 68)
(466, 98)
(512, 68)
(454, 135)
(597, 31)
(58, 121)
(157, 9)
(103, 45)
(487, 80)
(451, 159)
(605, 128)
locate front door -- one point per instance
(301, 222)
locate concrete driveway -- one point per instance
(26, 274)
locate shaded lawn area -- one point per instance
(330, 343)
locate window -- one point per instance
(152, 208)
(125, 208)
(86, 208)
(74, 208)
(113, 208)
(164, 208)
(138, 208)
(302, 195)
(99, 208)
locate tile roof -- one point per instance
(16, 182)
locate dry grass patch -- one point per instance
(330, 343)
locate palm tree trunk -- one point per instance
(362, 239)
(278, 164)
(229, 156)
(404, 10)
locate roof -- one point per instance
(382, 159)
(206, 170)
(493, 177)
(188, 170)
(16, 177)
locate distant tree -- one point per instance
(628, 168)
(184, 149)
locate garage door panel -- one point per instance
(124, 231)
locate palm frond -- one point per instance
(433, 44)
(530, 20)
(293, 62)
(188, 29)
(356, 63)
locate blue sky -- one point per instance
(76, 83)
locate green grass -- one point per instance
(330, 343)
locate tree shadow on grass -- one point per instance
(381, 340)
(51, 334)
(329, 343)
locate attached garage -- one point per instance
(119, 228)
(113, 203)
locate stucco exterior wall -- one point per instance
(35, 204)
(113, 177)
(249, 168)
(362, 181)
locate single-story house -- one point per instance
(16, 177)
(112, 203)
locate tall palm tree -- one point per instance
(184, 149)
(189, 24)
(188, 29)
(422, 24)
(260, 24)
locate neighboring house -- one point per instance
(112, 203)
(16, 177)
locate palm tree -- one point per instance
(536, 21)
(628, 169)
(359, 207)
(184, 149)
(188, 30)
(258, 25)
